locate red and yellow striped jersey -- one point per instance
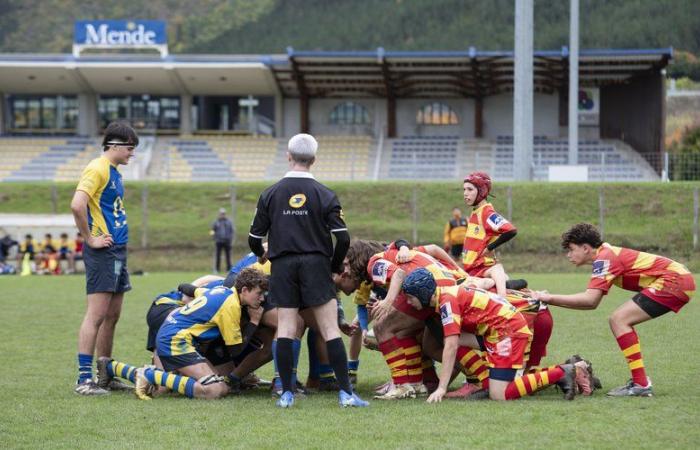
(479, 312)
(633, 270)
(485, 225)
(382, 266)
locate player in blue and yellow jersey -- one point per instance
(213, 314)
(98, 208)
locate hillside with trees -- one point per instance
(269, 26)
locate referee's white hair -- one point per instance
(303, 145)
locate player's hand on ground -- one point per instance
(404, 255)
(255, 313)
(436, 397)
(102, 241)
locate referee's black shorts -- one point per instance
(301, 281)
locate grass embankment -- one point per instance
(651, 216)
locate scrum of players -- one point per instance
(209, 336)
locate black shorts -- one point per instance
(649, 306)
(301, 281)
(155, 317)
(105, 269)
(172, 363)
(215, 352)
(456, 250)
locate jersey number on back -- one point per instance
(193, 306)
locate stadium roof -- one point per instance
(471, 73)
(380, 73)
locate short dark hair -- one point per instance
(27, 236)
(120, 131)
(251, 278)
(581, 233)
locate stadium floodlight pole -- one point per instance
(573, 83)
(523, 91)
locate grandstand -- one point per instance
(377, 115)
(37, 159)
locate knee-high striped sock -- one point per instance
(179, 383)
(395, 359)
(121, 370)
(84, 367)
(414, 360)
(326, 373)
(533, 382)
(629, 344)
(474, 364)
(429, 374)
(353, 366)
(296, 350)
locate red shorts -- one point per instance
(401, 304)
(676, 292)
(509, 352)
(541, 331)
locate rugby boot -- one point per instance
(89, 387)
(286, 400)
(384, 388)
(143, 388)
(464, 392)
(632, 389)
(346, 400)
(103, 377)
(398, 392)
(421, 389)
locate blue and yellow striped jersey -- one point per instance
(106, 214)
(212, 314)
(170, 298)
(250, 260)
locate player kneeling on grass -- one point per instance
(504, 333)
(662, 284)
(213, 314)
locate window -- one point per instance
(436, 114)
(43, 112)
(349, 113)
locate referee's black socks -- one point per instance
(339, 361)
(285, 362)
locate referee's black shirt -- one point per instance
(299, 214)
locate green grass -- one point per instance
(39, 409)
(656, 217)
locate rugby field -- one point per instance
(38, 408)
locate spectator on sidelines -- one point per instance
(455, 230)
(222, 230)
(78, 246)
(98, 208)
(66, 252)
(47, 258)
(6, 244)
(27, 246)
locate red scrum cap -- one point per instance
(482, 183)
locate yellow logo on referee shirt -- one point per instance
(297, 200)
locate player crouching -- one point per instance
(505, 334)
(213, 314)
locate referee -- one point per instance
(98, 209)
(299, 214)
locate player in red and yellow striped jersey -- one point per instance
(486, 230)
(662, 284)
(475, 317)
